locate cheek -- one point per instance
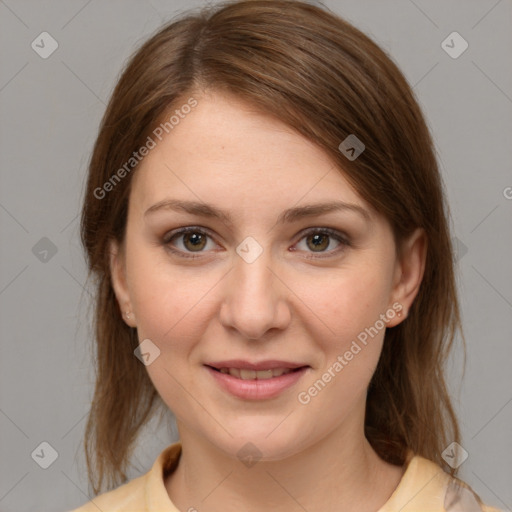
(172, 309)
(350, 343)
(347, 307)
(347, 301)
(166, 308)
(169, 301)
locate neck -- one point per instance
(340, 473)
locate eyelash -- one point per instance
(311, 231)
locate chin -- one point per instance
(259, 445)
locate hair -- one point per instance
(325, 79)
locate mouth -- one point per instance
(256, 381)
(246, 374)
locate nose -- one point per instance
(255, 299)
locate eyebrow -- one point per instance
(289, 215)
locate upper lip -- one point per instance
(261, 365)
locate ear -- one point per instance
(118, 277)
(409, 270)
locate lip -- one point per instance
(256, 389)
(261, 365)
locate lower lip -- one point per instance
(256, 389)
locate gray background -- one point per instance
(50, 114)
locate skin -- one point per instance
(283, 305)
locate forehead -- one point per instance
(226, 151)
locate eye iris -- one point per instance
(317, 241)
(198, 240)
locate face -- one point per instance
(303, 295)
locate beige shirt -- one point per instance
(424, 487)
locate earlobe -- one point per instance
(409, 272)
(118, 278)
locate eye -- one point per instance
(193, 239)
(318, 240)
(189, 240)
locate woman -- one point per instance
(266, 222)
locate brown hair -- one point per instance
(325, 79)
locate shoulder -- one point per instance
(426, 487)
(146, 492)
(460, 497)
(125, 498)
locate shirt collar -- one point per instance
(422, 487)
